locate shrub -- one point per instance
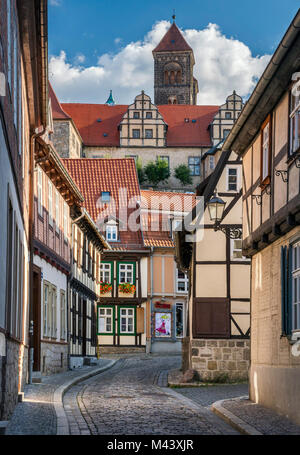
(183, 173)
(157, 172)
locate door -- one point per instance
(37, 318)
(84, 327)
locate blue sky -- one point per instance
(94, 34)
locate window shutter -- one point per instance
(284, 295)
(140, 326)
(211, 319)
(289, 311)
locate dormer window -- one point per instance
(105, 196)
(111, 232)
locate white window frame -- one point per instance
(50, 202)
(184, 280)
(127, 316)
(233, 249)
(296, 286)
(45, 308)
(127, 268)
(40, 191)
(295, 117)
(265, 151)
(105, 315)
(237, 179)
(211, 162)
(104, 269)
(111, 232)
(63, 313)
(66, 230)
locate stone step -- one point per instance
(122, 349)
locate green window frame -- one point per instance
(126, 263)
(129, 307)
(111, 270)
(99, 307)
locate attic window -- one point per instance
(105, 134)
(173, 41)
(105, 196)
(194, 121)
(99, 120)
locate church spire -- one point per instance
(110, 101)
(174, 16)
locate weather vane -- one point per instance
(174, 16)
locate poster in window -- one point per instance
(163, 324)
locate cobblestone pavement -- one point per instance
(131, 398)
(262, 419)
(36, 415)
(206, 396)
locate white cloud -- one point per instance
(79, 59)
(55, 2)
(222, 65)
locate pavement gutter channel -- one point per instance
(62, 420)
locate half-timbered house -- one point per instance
(112, 197)
(267, 138)
(217, 342)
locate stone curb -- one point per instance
(62, 421)
(232, 419)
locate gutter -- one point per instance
(265, 79)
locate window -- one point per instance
(50, 205)
(126, 320)
(63, 313)
(164, 158)
(105, 273)
(126, 273)
(111, 232)
(9, 60)
(40, 191)
(148, 115)
(182, 281)
(136, 134)
(136, 115)
(105, 320)
(57, 211)
(46, 302)
(194, 165)
(266, 151)
(225, 133)
(232, 179)
(294, 123)
(16, 71)
(105, 196)
(179, 320)
(227, 115)
(211, 162)
(148, 134)
(66, 230)
(236, 250)
(296, 287)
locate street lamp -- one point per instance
(216, 208)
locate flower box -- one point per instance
(126, 289)
(105, 288)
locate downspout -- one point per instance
(149, 347)
(31, 237)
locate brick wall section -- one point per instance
(214, 359)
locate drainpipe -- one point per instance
(151, 298)
(31, 237)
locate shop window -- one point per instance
(163, 325)
(179, 320)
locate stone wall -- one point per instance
(9, 379)
(54, 358)
(186, 357)
(61, 138)
(220, 359)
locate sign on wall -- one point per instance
(163, 324)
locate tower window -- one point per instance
(136, 134)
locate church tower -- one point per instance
(174, 61)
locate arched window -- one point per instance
(173, 73)
(179, 77)
(172, 77)
(172, 100)
(166, 77)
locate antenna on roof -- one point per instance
(174, 16)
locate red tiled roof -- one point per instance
(188, 134)
(106, 133)
(96, 175)
(94, 132)
(57, 111)
(172, 41)
(156, 225)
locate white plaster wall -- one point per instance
(58, 279)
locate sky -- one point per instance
(98, 45)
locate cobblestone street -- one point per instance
(131, 398)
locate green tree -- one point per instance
(183, 173)
(140, 171)
(157, 172)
